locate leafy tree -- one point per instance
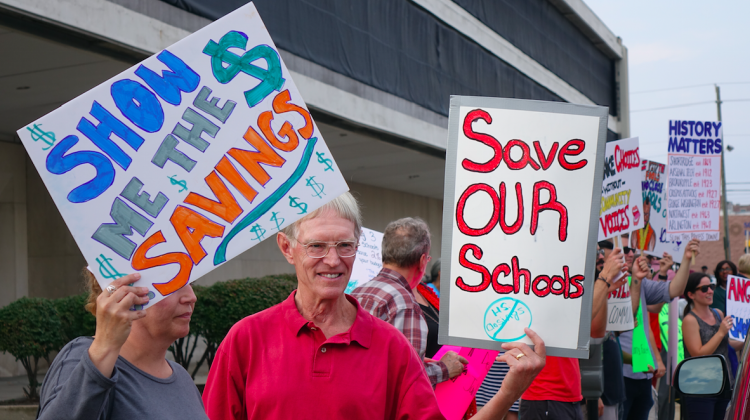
(75, 319)
(29, 330)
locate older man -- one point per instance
(320, 355)
(390, 295)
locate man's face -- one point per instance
(327, 277)
(646, 213)
(629, 258)
(599, 259)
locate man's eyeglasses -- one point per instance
(320, 249)
(628, 250)
(705, 288)
(599, 252)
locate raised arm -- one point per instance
(678, 283)
(640, 268)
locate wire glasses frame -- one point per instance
(317, 249)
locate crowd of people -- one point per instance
(370, 355)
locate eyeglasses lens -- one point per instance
(321, 249)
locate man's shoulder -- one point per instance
(381, 288)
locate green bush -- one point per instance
(75, 319)
(223, 304)
(30, 330)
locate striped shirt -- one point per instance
(389, 297)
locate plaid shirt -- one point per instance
(389, 297)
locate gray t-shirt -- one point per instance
(75, 389)
(652, 292)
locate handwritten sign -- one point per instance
(642, 357)
(187, 159)
(620, 310)
(621, 208)
(738, 306)
(664, 317)
(523, 186)
(369, 259)
(455, 395)
(654, 231)
(693, 180)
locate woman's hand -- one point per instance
(692, 249)
(726, 325)
(114, 320)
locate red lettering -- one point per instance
(477, 253)
(535, 286)
(546, 161)
(554, 205)
(525, 156)
(461, 205)
(487, 139)
(557, 291)
(626, 159)
(502, 289)
(517, 274)
(515, 227)
(572, 148)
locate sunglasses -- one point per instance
(705, 288)
(628, 250)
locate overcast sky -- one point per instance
(686, 43)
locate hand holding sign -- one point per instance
(691, 250)
(523, 369)
(614, 268)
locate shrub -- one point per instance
(29, 330)
(223, 304)
(75, 319)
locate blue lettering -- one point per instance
(138, 104)
(170, 83)
(100, 135)
(58, 163)
(674, 128)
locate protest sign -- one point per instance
(621, 207)
(455, 395)
(738, 306)
(693, 180)
(655, 214)
(369, 260)
(641, 351)
(664, 318)
(185, 160)
(522, 196)
(620, 310)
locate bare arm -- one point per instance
(678, 283)
(655, 308)
(640, 268)
(692, 339)
(611, 270)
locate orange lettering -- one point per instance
(228, 171)
(226, 208)
(141, 262)
(192, 227)
(264, 122)
(281, 104)
(251, 160)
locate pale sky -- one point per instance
(686, 43)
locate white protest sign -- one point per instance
(621, 207)
(620, 310)
(693, 167)
(654, 231)
(738, 306)
(369, 260)
(522, 196)
(186, 160)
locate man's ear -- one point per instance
(285, 245)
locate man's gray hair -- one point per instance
(345, 206)
(405, 241)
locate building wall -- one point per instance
(13, 268)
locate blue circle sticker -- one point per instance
(506, 318)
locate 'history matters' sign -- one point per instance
(693, 180)
(185, 160)
(522, 196)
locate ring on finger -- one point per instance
(520, 356)
(111, 288)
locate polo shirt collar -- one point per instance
(361, 331)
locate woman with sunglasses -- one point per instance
(705, 331)
(723, 269)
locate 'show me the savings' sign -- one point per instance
(187, 159)
(520, 224)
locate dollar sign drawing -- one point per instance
(316, 186)
(182, 183)
(293, 203)
(258, 231)
(325, 161)
(37, 134)
(275, 219)
(270, 78)
(106, 269)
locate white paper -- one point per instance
(654, 188)
(738, 306)
(293, 178)
(620, 310)
(369, 260)
(622, 208)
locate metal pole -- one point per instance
(727, 251)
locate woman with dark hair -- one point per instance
(723, 269)
(705, 331)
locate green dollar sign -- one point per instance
(181, 183)
(258, 231)
(275, 219)
(37, 134)
(106, 269)
(325, 161)
(270, 79)
(293, 203)
(316, 186)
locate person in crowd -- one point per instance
(603, 250)
(705, 331)
(122, 372)
(434, 282)
(556, 391)
(723, 269)
(390, 294)
(704, 269)
(320, 355)
(643, 292)
(743, 266)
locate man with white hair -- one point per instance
(319, 355)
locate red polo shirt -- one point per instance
(559, 380)
(277, 365)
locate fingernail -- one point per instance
(136, 276)
(144, 289)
